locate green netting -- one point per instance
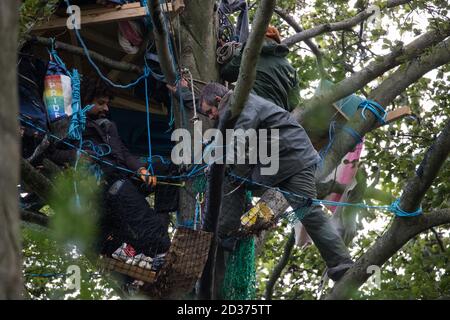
(294, 216)
(240, 277)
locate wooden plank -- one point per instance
(340, 112)
(174, 8)
(398, 114)
(183, 266)
(104, 15)
(94, 16)
(178, 5)
(99, 8)
(133, 271)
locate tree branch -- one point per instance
(113, 64)
(384, 94)
(315, 50)
(33, 217)
(35, 181)
(336, 26)
(247, 74)
(316, 112)
(401, 231)
(162, 42)
(417, 186)
(438, 239)
(280, 266)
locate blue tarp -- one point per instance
(132, 126)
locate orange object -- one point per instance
(273, 33)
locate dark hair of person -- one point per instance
(210, 91)
(93, 88)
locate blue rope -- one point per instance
(331, 135)
(46, 275)
(399, 212)
(100, 150)
(377, 110)
(97, 69)
(150, 167)
(394, 207)
(56, 58)
(323, 153)
(78, 119)
(190, 175)
(161, 158)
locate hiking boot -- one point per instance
(125, 253)
(337, 272)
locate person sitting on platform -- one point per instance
(130, 230)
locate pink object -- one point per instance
(345, 174)
(131, 32)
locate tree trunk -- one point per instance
(196, 27)
(10, 262)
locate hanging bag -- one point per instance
(57, 92)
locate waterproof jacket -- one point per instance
(101, 131)
(296, 151)
(276, 79)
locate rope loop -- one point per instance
(399, 212)
(374, 107)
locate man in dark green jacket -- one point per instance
(276, 79)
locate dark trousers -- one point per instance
(129, 218)
(316, 222)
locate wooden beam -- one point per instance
(97, 16)
(128, 11)
(342, 113)
(127, 269)
(175, 7)
(99, 8)
(398, 114)
(108, 62)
